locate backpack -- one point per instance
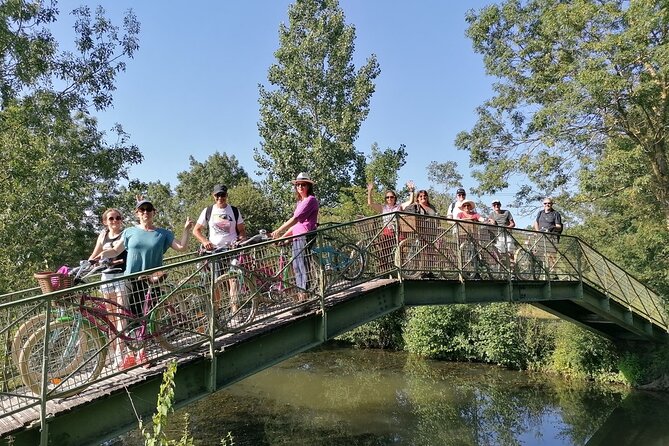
(207, 215)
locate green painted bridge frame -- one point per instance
(407, 260)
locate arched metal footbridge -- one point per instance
(226, 316)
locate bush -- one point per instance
(497, 335)
(440, 332)
(581, 353)
(385, 332)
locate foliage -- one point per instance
(440, 332)
(158, 436)
(383, 166)
(581, 92)
(446, 174)
(311, 117)
(59, 170)
(538, 339)
(581, 353)
(497, 335)
(198, 182)
(384, 332)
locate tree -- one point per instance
(198, 182)
(579, 81)
(311, 118)
(58, 168)
(383, 166)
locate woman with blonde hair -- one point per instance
(113, 291)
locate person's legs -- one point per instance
(299, 266)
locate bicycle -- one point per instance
(533, 257)
(77, 343)
(417, 256)
(55, 281)
(347, 261)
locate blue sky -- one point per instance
(192, 87)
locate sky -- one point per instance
(192, 88)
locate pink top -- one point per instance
(466, 216)
(306, 214)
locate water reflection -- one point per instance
(340, 396)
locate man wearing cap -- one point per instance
(502, 217)
(456, 207)
(224, 222)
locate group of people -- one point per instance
(142, 247)
(546, 220)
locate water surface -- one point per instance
(341, 396)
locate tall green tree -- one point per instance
(198, 182)
(383, 166)
(310, 117)
(58, 167)
(579, 81)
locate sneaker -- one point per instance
(143, 358)
(128, 361)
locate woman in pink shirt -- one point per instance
(304, 219)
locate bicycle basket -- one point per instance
(50, 282)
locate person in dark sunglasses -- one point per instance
(146, 245)
(113, 291)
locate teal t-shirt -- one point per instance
(145, 248)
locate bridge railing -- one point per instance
(57, 343)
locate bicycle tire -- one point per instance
(69, 372)
(409, 257)
(470, 260)
(22, 334)
(238, 307)
(353, 261)
(524, 267)
(181, 319)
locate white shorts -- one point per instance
(504, 243)
(117, 286)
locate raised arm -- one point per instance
(412, 195)
(376, 206)
(182, 244)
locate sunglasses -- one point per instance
(301, 185)
(142, 210)
(221, 195)
(117, 218)
(547, 204)
(388, 197)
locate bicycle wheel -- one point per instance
(470, 260)
(524, 265)
(75, 358)
(351, 261)
(238, 304)
(410, 259)
(22, 334)
(181, 318)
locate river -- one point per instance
(339, 396)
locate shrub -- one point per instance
(440, 332)
(581, 353)
(497, 335)
(385, 332)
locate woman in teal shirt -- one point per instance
(146, 245)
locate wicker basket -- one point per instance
(407, 223)
(50, 282)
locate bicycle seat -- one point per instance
(154, 278)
